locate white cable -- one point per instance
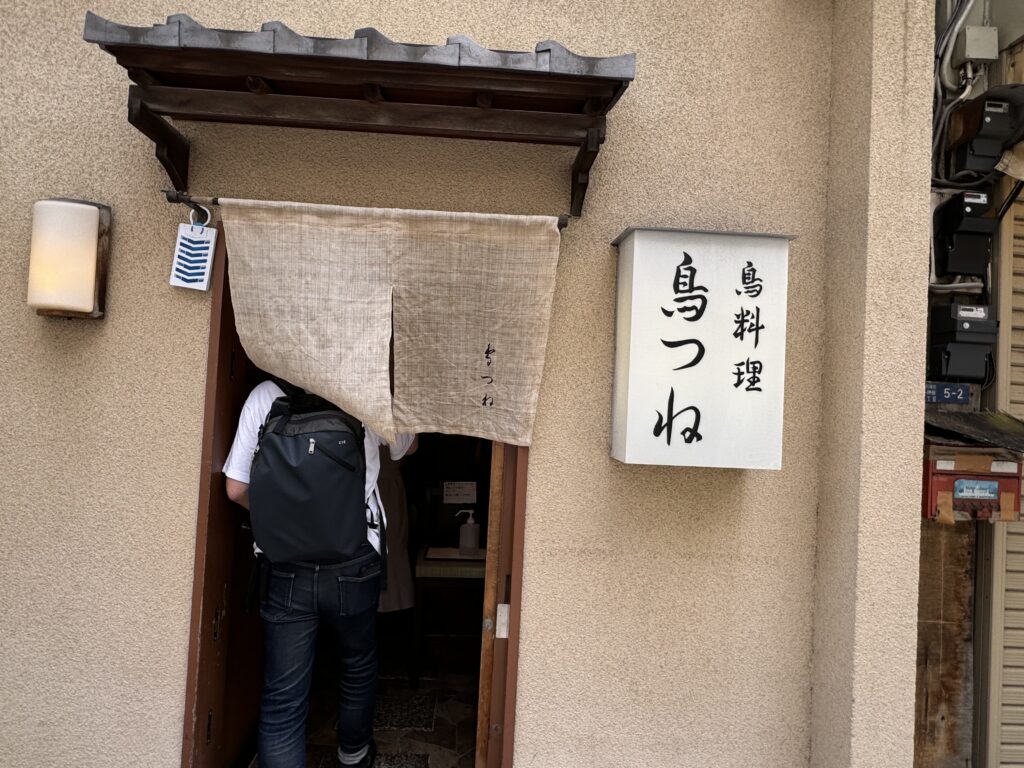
(948, 109)
(945, 71)
(940, 133)
(956, 287)
(952, 12)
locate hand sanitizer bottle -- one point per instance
(469, 535)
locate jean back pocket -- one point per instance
(357, 594)
(276, 603)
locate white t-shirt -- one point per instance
(254, 413)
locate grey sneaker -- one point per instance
(368, 759)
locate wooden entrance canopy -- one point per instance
(185, 71)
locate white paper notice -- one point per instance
(460, 493)
(700, 349)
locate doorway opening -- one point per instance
(448, 633)
(430, 623)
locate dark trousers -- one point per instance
(298, 600)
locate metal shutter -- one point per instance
(1012, 345)
(1000, 719)
(1005, 721)
(1005, 724)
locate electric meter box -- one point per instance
(963, 235)
(980, 131)
(962, 339)
(965, 483)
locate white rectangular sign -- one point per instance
(460, 493)
(700, 360)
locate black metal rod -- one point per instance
(196, 203)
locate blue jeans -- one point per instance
(296, 601)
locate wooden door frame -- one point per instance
(515, 599)
(222, 626)
(216, 340)
(499, 658)
(503, 585)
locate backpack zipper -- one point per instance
(331, 455)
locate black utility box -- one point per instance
(982, 129)
(963, 236)
(962, 340)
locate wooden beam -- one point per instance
(143, 77)
(257, 84)
(172, 148)
(355, 73)
(360, 115)
(372, 92)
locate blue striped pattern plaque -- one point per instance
(193, 257)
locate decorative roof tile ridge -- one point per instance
(472, 54)
(288, 41)
(564, 61)
(104, 32)
(379, 47)
(182, 31)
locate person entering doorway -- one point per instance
(300, 597)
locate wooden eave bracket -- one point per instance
(172, 149)
(581, 168)
(366, 83)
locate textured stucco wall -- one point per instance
(99, 461)
(877, 244)
(668, 612)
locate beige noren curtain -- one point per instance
(318, 290)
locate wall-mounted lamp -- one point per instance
(67, 273)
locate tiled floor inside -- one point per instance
(431, 724)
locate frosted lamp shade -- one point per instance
(67, 264)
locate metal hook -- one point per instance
(195, 209)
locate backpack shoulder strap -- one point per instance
(278, 415)
(289, 389)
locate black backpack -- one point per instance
(307, 483)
